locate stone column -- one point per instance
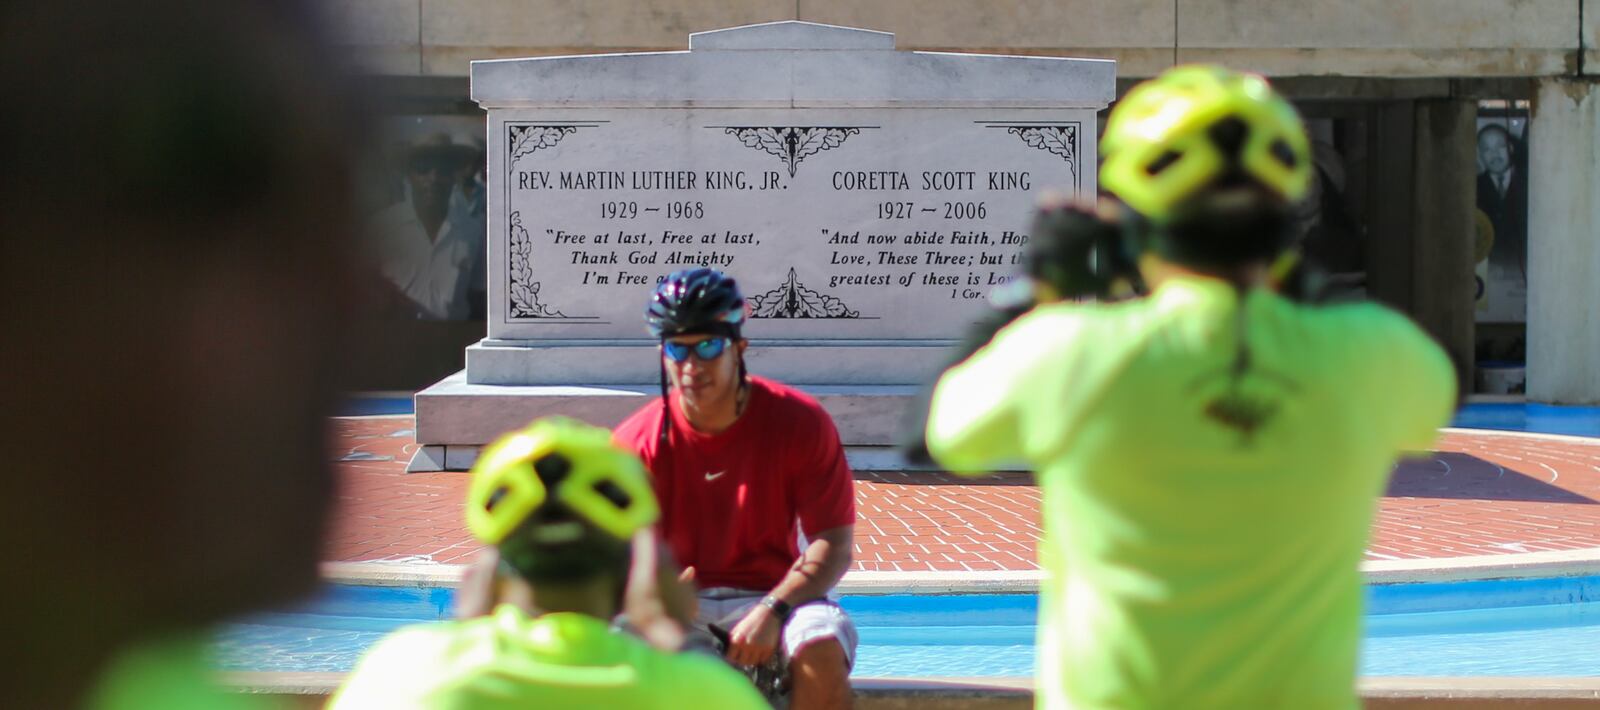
(1564, 243)
(1389, 231)
(1445, 157)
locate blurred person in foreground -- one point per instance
(1210, 455)
(562, 506)
(175, 205)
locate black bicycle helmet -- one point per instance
(695, 302)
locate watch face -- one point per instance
(779, 606)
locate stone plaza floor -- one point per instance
(1481, 493)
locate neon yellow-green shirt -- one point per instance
(552, 662)
(1202, 533)
(171, 673)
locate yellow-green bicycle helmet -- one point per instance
(1160, 146)
(558, 459)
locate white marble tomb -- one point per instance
(867, 200)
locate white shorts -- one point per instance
(813, 621)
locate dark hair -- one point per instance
(1502, 130)
(593, 554)
(1209, 238)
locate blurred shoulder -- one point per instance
(1059, 326)
(425, 645)
(409, 665)
(1372, 342)
(1369, 324)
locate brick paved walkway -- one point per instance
(1483, 494)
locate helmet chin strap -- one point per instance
(666, 406)
(743, 397)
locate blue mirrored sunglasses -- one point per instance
(706, 350)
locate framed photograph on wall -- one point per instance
(425, 202)
(1501, 217)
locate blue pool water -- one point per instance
(1522, 627)
(1540, 418)
(370, 405)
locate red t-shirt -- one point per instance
(730, 502)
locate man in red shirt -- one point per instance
(742, 467)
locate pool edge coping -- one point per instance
(1431, 687)
(1552, 563)
(1564, 438)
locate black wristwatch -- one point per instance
(778, 606)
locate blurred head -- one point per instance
(1494, 148)
(1212, 162)
(560, 501)
(176, 203)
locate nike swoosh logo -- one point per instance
(714, 476)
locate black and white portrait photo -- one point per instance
(1502, 203)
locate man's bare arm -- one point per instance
(820, 566)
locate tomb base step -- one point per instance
(455, 414)
(633, 362)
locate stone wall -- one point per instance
(1366, 38)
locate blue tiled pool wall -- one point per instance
(1382, 599)
(406, 603)
(364, 406)
(411, 604)
(1540, 418)
(1480, 594)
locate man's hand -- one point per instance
(660, 602)
(478, 591)
(1076, 249)
(755, 638)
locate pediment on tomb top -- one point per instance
(794, 64)
(790, 35)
